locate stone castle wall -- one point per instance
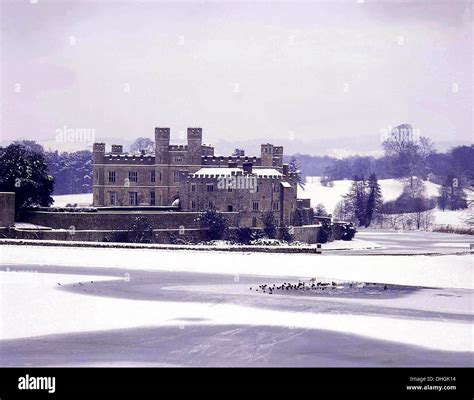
(7, 209)
(117, 220)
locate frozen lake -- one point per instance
(99, 307)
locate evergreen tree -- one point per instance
(443, 197)
(293, 167)
(215, 223)
(358, 195)
(457, 196)
(374, 199)
(355, 202)
(23, 170)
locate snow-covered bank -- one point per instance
(273, 246)
(439, 271)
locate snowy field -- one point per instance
(82, 200)
(391, 190)
(99, 307)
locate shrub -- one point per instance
(286, 234)
(117, 237)
(215, 224)
(325, 233)
(269, 227)
(242, 235)
(141, 231)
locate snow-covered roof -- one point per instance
(213, 171)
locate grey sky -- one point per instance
(241, 71)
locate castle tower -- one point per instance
(98, 157)
(267, 155)
(98, 153)
(162, 143)
(194, 145)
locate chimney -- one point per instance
(286, 169)
(117, 148)
(247, 166)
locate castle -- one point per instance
(191, 178)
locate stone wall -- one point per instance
(116, 220)
(306, 234)
(7, 209)
(161, 236)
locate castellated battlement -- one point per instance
(162, 132)
(224, 161)
(199, 177)
(195, 133)
(129, 159)
(98, 148)
(178, 147)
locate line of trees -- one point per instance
(407, 157)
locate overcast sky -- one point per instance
(242, 71)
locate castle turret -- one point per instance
(267, 155)
(162, 144)
(98, 153)
(117, 148)
(194, 145)
(98, 157)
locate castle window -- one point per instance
(152, 199)
(210, 187)
(133, 198)
(176, 176)
(230, 208)
(178, 159)
(276, 206)
(210, 205)
(152, 176)
(255, 206)
(254, 222)
(111, 176)
(276, 188)
(160, 177)
(193, 205)
(193, 187)
(133, 176)
(113, 198)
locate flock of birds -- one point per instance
(80, 284)
(303, 286)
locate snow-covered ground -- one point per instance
(151, 307)
(391, 190)
(82, 200)
(450, 217)
(331, 195)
